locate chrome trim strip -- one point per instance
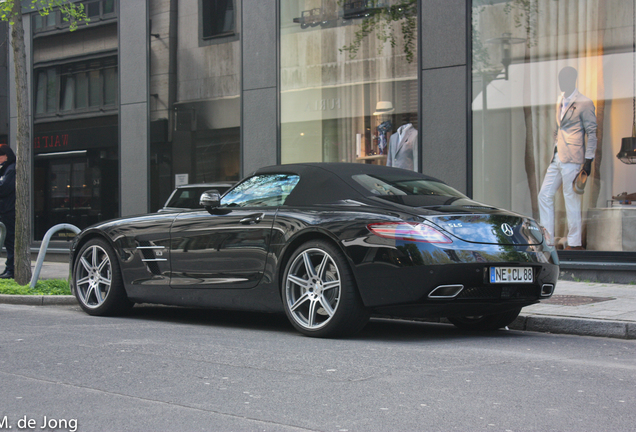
(151, 247)
(154, 259)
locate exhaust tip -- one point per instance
(446, 291)
(547, 290)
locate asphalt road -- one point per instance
(172, 369)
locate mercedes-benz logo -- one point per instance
(507, 229)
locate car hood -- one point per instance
(472, 221)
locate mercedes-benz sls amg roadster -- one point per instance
(330, 245)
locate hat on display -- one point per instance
(579, 182)
(383, 107)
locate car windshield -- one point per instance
(414, 187)
(261, 191)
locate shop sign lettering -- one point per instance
(50, 141)
(323, 105)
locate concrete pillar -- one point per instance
(134, 124)
(260, 118)
(444, 92)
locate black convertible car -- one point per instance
(328, 244)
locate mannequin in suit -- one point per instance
(403, 148)
(575, 118)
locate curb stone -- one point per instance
(38, 300)
(575, 326)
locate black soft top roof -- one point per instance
(322, 183)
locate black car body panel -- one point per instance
(234, 257)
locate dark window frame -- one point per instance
(223, 37)
(75, 69)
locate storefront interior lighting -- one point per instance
(506, 41)
(628, 145)
(627, 154)
(65, 153)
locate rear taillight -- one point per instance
(409, 231)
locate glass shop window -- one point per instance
(349, 82)
(553, 118)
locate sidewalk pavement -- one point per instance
(578, 308)
(584, 308)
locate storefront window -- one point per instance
(196, 139)
(553, 90)
(76, 173)
(349, 82)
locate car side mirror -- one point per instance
(210, 199)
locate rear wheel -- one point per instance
(485, 322)
(319, 292)
(99, 287)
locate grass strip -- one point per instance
(43, 287)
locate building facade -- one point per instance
(156, 93)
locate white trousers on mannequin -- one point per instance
(561, 174)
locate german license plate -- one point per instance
(511, 275)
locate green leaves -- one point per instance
(73, 13)
(381, 21)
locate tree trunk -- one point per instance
(530, 164)
(23, 153)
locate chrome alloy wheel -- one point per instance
(93, 276)
(313, 289)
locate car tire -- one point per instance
(319, 292)
(486, 322)
(97, 281)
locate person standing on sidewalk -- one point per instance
(7, 204)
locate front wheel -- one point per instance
(97, 280)
(485, 322)
(319, 292)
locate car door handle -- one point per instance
(252, 219)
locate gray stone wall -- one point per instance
(444, 102)
(159, 12)
(205, 71)
(84, 41)
(260, 119)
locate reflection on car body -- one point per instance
(328, 244)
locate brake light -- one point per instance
(410, 231)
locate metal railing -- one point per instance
(44, 246)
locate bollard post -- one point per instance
(45, 245)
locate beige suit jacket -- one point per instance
(576, 122)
